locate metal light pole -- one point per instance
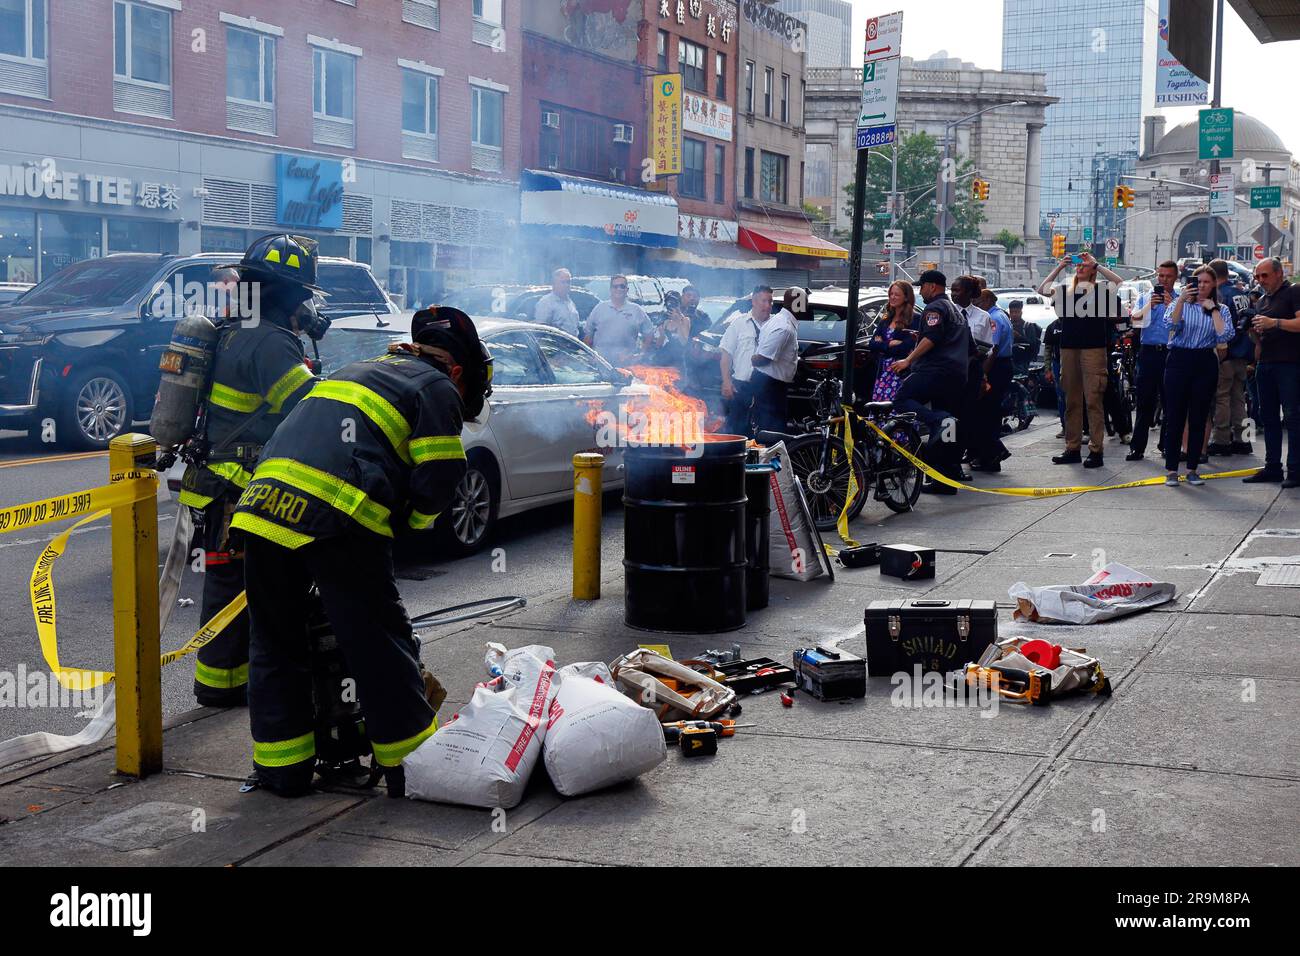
(1210, 233)
(945, 199)
(855, 272)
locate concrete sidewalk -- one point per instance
(1194, 759)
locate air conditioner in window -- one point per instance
(552, 163)
(550, 119)
(624, 132)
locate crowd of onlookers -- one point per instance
(1208, 350)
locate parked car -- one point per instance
(645, 291)
(513, 301)
(545, 387)
(10, 291)
(829, 309)
(82, 347)
(1038, 309)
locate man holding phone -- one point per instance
(1151, 319)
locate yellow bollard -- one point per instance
(586, 526)
(136, 641)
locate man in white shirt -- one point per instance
(615, 328)
(774, 361)
(555, 308)
(738, 345)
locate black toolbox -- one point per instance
(939, 635)
(830, 673)
(907, 561)
(760, 673)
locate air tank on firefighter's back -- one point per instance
(186, 368)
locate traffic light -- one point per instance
(979, 189)
(1058, 246)
(1124, 197)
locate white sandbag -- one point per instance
(1112, 592)
(486, 754)
(795, 548)
(596, 737)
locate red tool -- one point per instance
(787, 699)
(1043, 653)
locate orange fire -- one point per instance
(664, 416)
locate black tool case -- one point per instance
(743, 676)
(830, 673)
(939, 635)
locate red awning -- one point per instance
(773, 241)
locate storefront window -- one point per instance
(364, 247)
(67, 238)
(17, 246)
(224, 240)
(133, 235)
(331, 245)
(411, 275)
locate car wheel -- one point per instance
(96, 408)
(470, 519)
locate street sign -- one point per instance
(1111, 260)
(1266, 197)
(1215, 141)
(884, 37)
(1259, 252)
(1112, 249)
(879, 103)
(893, 240)
(1221, 195)
(1161, 199)
(1087, 233)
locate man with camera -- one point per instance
(1151, 320)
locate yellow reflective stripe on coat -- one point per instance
(374, 406)
(286, 385)
(193, 499)
(272, 532)
(391, 755)
(232, 471)
(231, 398)
(335, 492)
(420, 521)
(222, 678)
(440, 448)
(284, 753)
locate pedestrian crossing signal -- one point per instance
(1058, 245)
(1124, 197)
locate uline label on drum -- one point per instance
(683, 474)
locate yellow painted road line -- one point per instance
(71, 456)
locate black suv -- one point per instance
(82, 348)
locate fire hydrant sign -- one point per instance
(880, 70)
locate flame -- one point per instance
(663, 416)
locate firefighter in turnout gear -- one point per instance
(373, 450)
(259, 375)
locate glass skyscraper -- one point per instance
(830, 29)
(1092, 55)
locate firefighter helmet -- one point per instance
(282, 256)
(454, 331)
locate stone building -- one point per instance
(1152, 235)
(1004, 145)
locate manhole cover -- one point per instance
(1280, 576)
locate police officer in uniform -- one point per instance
(259, 375)
(937, 375)
(374, 448)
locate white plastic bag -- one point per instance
(1112, 592)
(486, 754)
(596, 737)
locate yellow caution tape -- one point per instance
(842, 525)
(136, 487)
(1037, 492)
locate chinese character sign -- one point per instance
(666, 124)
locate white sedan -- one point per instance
(551, 398)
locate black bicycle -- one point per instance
(820, 461)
